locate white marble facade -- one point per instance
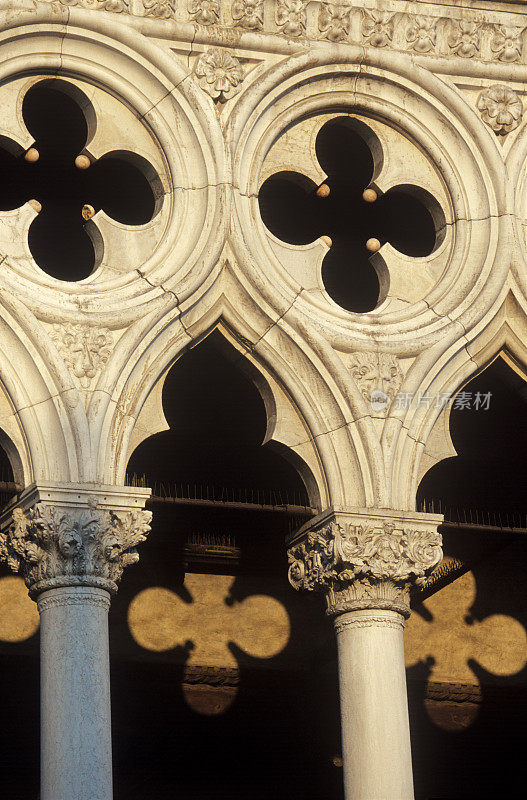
(215, 96)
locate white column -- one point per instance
(76, 741)
(365, 562)
(373, 703)
(71, 542)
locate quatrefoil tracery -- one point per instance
(120, 183)
(406, 216)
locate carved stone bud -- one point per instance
(368, 558)
(54, 544)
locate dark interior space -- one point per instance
(280, 734)
(483, 757)
(19, 688)
(488, 477)
(283, 724)
(117, 183)
(481, 492)
(217, 424)
(293, 211)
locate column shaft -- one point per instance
(374, 708)
(76, 754)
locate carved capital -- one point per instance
(62, 536)
(365, 558)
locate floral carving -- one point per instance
(506, 43)
(334, 21)
(378, 376)
(377, 27)
(291, 16)
(84, 349)
(116, 6)
(220, 74)
(500, 108)
(160, 9)
(52, 546)
(464, 38)
(364, 565)
(421, 33)
(248, 14)
(204, 12)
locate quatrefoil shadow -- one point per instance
(406, 216)
(120, 183)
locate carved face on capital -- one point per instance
(387, 550)
(70, 542)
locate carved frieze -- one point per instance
(421, 33)
(365, 563)
(464, 38)
(248, 14)
(507, 43)
(291, 17)
(378, 28)
(115, 6)
(334, 22)
(204, 12)
(160, 9)
(52, 546)
(397, 26)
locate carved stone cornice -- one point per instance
(458, 31)
(73, 535)
(365, 558)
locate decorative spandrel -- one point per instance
(351, 214)
(66, 185)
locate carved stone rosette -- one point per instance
(52, 544)
(368, 558)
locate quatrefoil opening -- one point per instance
(63, 237)
(406, 216)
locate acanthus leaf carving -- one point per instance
(52, 546)
(364, 565)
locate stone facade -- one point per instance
(208, 100)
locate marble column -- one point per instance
(365, 561)
(71, 544)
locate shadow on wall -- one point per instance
(466, 645)
(232, 674)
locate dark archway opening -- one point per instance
(273, 715)
(489, 474)
(472, 748)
